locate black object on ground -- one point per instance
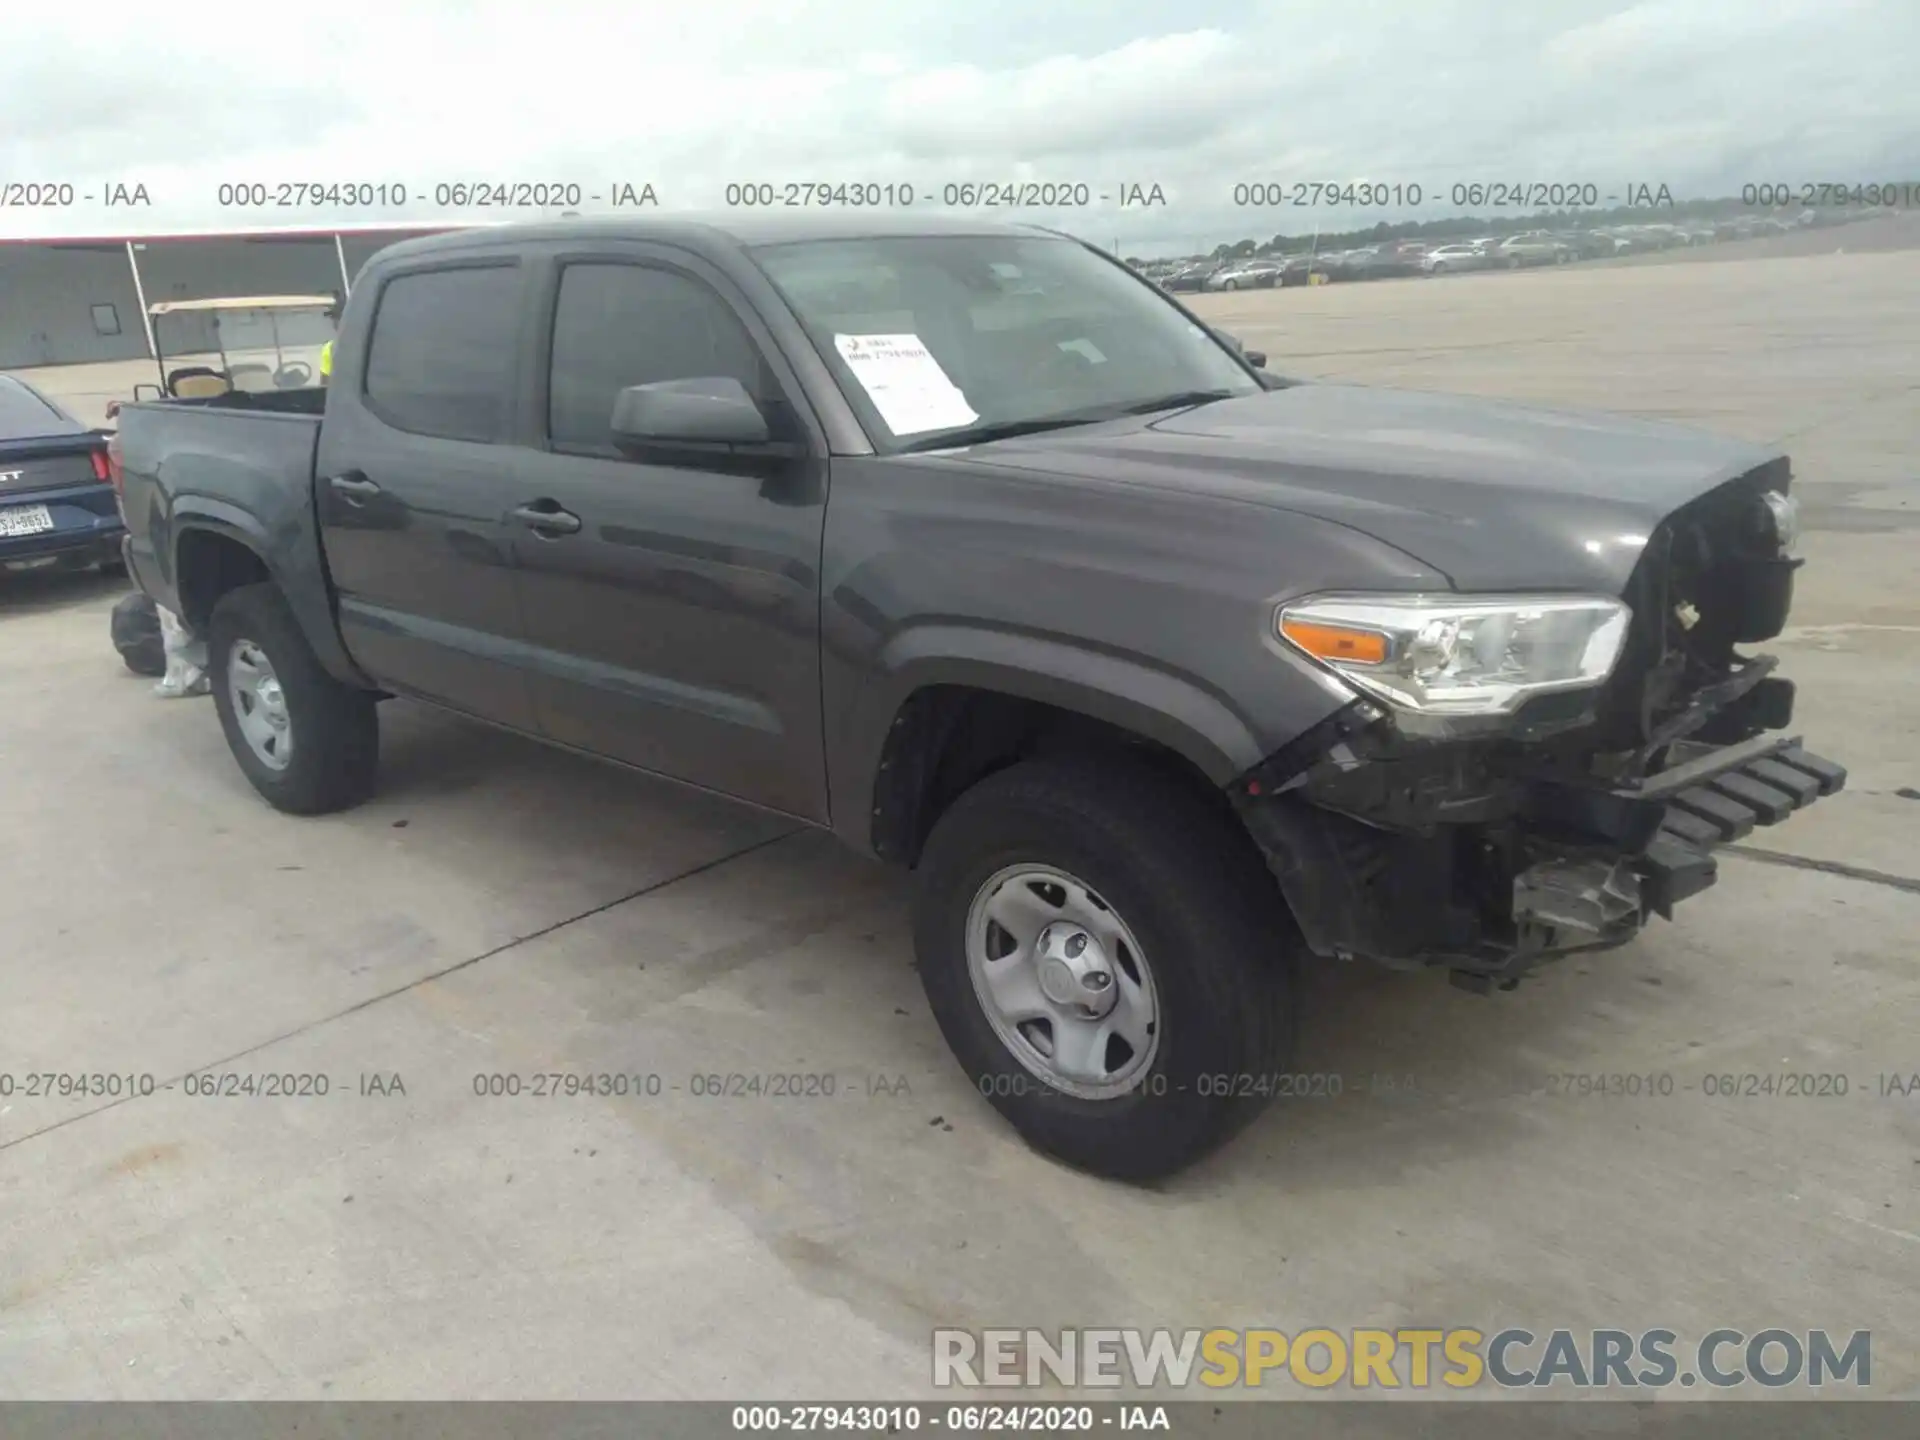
(136, 635)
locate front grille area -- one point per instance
(1708, 581)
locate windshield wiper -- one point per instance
(1003, 430)
(1008, 429)
(1180, 400)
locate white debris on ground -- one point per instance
(186, 659)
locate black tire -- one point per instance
(335, 727)
(146, 657)
(135, 628)
(1222, 948)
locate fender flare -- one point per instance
(1168, 708)
(311, 602)
(192, 512)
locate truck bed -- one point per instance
(309, 400)
(239, 464)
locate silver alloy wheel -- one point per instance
(259, 704)
(1063, 982)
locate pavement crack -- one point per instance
(318, 1021)
(1826, 867)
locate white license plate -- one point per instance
(25, 520)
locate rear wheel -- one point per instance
(309, 744)
(1109, 960)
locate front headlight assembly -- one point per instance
(1446, 655)
(1782, 518)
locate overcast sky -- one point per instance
(1192, 95)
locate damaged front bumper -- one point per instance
(1479, 858)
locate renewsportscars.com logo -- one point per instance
(1401, 1359)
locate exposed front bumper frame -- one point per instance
(1560, 866)
(1719, 796)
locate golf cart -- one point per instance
(249, 344)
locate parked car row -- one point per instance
(1488, 252)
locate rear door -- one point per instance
(675, 624)
(413, 479)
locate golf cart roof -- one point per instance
(241, 302)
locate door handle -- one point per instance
(353, 486)
(545, 517)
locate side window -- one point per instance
(617, 325)
(441, 358)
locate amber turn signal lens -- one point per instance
(1337, 642)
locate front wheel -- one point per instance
(1109, 960)
(309, 744)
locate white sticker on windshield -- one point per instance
(905, 383)
(1086, 347)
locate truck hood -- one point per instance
(1494, 496)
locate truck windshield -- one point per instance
(950, 340)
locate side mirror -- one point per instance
(140, 392)
(1255, 358)
(712, 412)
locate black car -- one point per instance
(1301, 269)
(1383, 262)
(1193, 278)
(57, 506)
(1591, 244)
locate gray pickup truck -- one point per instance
(1164, 674)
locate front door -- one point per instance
(671, 604)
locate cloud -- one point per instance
(1702, 95)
